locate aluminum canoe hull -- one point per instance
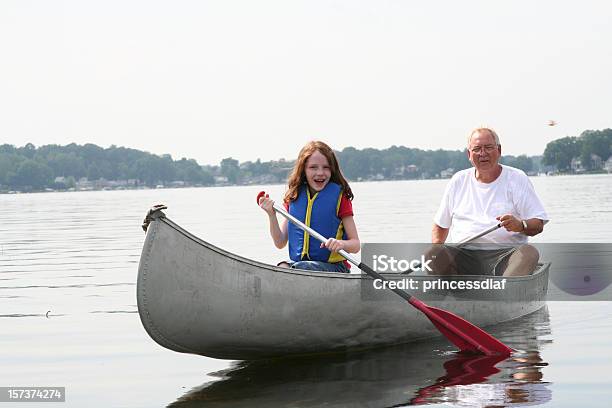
(196, 298)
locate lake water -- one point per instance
(68, 314)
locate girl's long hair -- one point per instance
(298, 175)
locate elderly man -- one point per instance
(479, 197)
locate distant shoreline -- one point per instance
(48, 190)
(91, 168)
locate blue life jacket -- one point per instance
(320, 213)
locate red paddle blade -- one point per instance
(463, 334)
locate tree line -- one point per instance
(592, 147)
(31, 168)
(399, 162)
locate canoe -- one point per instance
(194, 297)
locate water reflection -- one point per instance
(482, 382)
(420, 373)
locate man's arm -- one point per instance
(532, 210)
(534, 227)
(438, 234)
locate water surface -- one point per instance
(68, 315)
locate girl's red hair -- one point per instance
(298, 175)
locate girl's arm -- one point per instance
(351, 244)
(277, 232)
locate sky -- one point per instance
(258, 79)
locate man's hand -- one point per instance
(510, 223)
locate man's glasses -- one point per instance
(486, 148)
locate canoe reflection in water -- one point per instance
(427, 372)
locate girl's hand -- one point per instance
(267, 204)
(333, 245)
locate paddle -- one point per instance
(463, 334)
(458, 245)
(475, 237)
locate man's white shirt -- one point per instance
(469, 207)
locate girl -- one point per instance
(320, 197)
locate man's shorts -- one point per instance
(480, 261)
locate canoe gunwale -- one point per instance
(322, 274)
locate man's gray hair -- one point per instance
(481, 129)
